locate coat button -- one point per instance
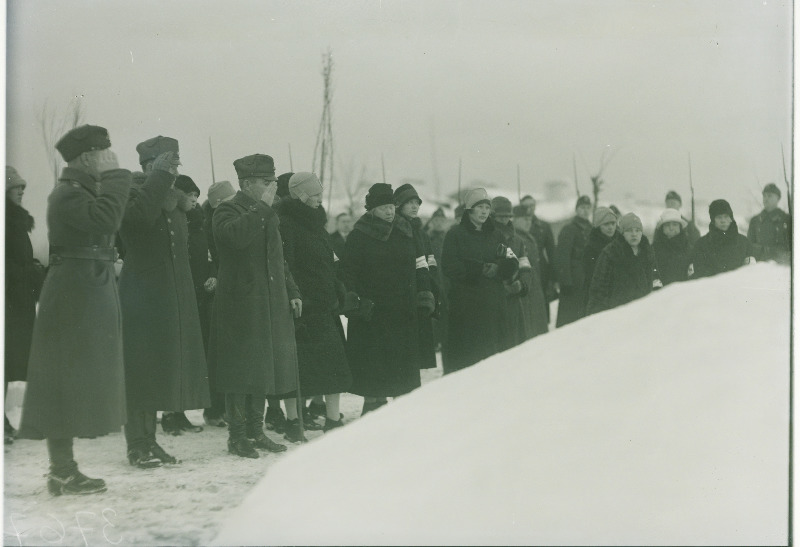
(169, 220)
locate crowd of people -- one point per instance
(234, 305)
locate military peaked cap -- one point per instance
(152, 148)
(83, 139)
(256, 165)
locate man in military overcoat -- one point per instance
(165, 366)
(76, 384)
(252, 347)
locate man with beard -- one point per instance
(165, 365)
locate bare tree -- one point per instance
(597, 180)
(53, 125)
(323, 148)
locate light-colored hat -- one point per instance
(671, 215)
(304, 185)
(476, 196)
(603, 215)
(219, 192)
(13, 179)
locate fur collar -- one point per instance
(17, 215)
(380, 229)
(488, 226)
(730, 235)
(304, 215)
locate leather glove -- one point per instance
(426, 301)
(489, 270)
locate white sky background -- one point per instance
(503, 83)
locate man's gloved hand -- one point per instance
(106, 161)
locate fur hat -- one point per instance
(379, 194)
(219, 192)
(772, 189)
(476, 196)
(671, 215)
(583, 200)
(304, 185)
(405, 193)
(719, 207)
(13, 179)
(629, 222)
(186, 185)
(603, 215)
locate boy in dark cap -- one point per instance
(771, 230)
(165, 365)
(76, 379)
(673, 201)
(252, 350)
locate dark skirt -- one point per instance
(321, 354)
(571, 307)
(383, 353)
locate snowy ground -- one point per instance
(183, 504)
(644, 425)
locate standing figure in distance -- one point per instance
(569, 263)
(771, 230)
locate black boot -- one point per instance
(142, 458)
(9, 432)
(275, 421)
(170, 424)
(242, 448)
(75, 484)
(293, 433)
(161, 454)
(260, 440)
(316, 410)
(332, 424)
(185, 425)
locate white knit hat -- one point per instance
(671, 215)
(475, 196)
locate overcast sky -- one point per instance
(496, 83)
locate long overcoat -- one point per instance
(165, 364)
(319, 333)
(673, 256)
(542, 232)
(22, 286)
(621, 276)
(595, 244)
(252, 346)
(379, 264)
(518, 311)
(477, 324)
(535, 300)
(428, 281)
(771, 234)
(76, 380)
(718, 252)
(568, 265)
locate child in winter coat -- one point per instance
(625, 269)
(672, 248)
(723, 248)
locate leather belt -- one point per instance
(95, 252)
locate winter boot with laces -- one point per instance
(170, 424)
(142, 458)
(242, 448)
(315, 410)
(75, 484)
(260, 440)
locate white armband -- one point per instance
(432, 262)
(422, 262)
(524, 263)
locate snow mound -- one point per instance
(661, 422)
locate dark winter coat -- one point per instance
(436, 238)
(200, 266)
(252, 346)
(771, 234)
(718, 252)
(517, 306)
(379, 264)
(76, 379)
(337, 243)
(213, 259)
(568, 265)
(23, 282)
(535, 299)
(673, 256)
(165, 363)
(543, 234)
(478, 325)
(319, 333)
(595, 244)
(620, 276)
(427, 345)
